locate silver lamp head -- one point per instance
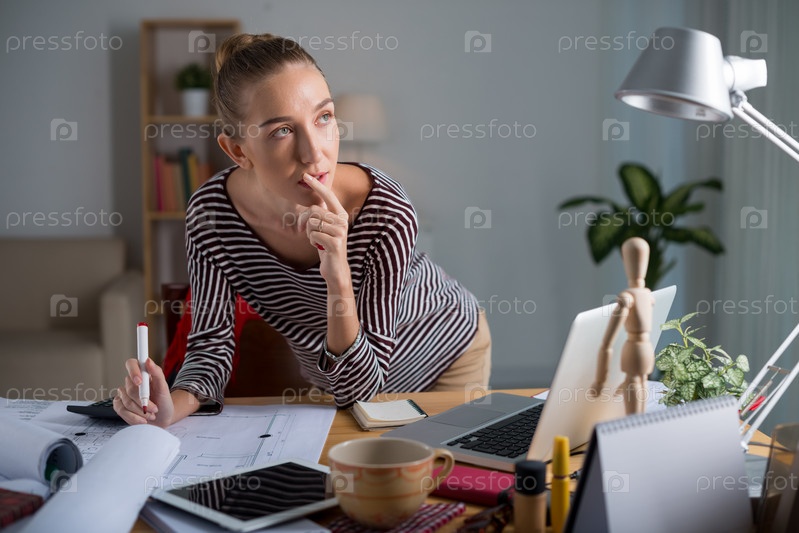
(681, 73)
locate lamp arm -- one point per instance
(766, 407)
(763, 125)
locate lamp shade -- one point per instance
(361, 118)
(681, 74)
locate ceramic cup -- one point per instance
(381, 482)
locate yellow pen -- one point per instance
(559, 507)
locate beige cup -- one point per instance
(381, 482)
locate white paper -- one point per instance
(26, 451)
(107, 494)
(210, 445)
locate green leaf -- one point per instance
(664, 362)
(712, 381)
(688, 391)
(670, 324)
(696, 342)
(697, 369)
(685, 354)
(742, 362)
(580, 200)
(680, 372)
(702, 237)
(641, 187)
(676, 201)
(603, 237)
(734, 376)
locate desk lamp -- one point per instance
(683, 74)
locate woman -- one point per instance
(324, 251)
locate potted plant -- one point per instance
(652, 216)
(194, 83)
(692, 371)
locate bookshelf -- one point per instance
(177, 151)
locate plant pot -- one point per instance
(195, 102)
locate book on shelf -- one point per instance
(175, 178)
(378, 415)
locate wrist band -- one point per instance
(349, 351)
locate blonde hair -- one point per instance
(244, 59)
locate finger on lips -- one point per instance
(328, 196)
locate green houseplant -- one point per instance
(194, 83)
(692, 370)
(652, 216)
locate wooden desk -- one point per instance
(345, 428)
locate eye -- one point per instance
(282, 132)
(326, 117)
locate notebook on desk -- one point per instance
(495, 431)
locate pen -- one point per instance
(143, 353)
(560, 483)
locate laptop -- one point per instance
(495, 431)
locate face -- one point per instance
(290, 130)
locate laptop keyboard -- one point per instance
(510, 437)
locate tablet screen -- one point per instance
(258, 493)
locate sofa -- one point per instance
(67, 318)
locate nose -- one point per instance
(310, 146)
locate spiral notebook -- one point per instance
(681, 469)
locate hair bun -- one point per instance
(236, 43)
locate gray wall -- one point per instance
(531, 268)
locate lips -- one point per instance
(321, 177)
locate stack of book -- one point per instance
(175, 179)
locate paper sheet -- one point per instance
(107, 494)
(240, 436)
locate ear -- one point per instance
(234, 150)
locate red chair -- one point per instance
(263, 363)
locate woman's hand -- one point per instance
(127, 404)
(326, 227)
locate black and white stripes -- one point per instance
(416, 319)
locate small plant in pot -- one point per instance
(194, 83)
(692, 370)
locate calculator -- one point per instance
(101, 409)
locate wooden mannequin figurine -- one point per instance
(634, 309)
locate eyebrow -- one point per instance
(319, 106)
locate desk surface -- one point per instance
(345, 428)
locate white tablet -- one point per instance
(253, 498)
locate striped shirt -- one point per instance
(416, 320)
